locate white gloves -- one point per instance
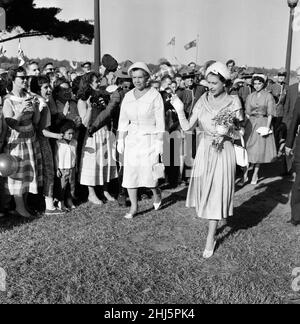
(120, 146)
(177, 104)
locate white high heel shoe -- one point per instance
(158, 205)
(209, 253)
(130, 215)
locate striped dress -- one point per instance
(46, 151)
(98, 159)
(23, 144)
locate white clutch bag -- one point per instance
(158, 171)
(264, 131)
(241, 154)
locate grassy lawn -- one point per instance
(94, 255)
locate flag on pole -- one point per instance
(2, 51)
(21, 55)
(172, 42)
(191, 45)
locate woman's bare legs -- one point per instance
(211, 237)
(156, 195)
(132, 193)
(20, 206)
(106, 194)
(93, 197)
(255, 174)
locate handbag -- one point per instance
(158, 171)
(241, 154)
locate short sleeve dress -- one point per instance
(211, 189)
(261, 149)
(47, 155)
(143, 119)
(23, 144)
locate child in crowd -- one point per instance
(65, 159)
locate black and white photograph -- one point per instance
(149, 154)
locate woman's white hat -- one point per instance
(261, 76)
(139, 65)
(219, 68)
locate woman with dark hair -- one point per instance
(212, 182)
(260, 141)
(62, 105)
(141, 130)
(40, 86)
(22, 116)
(98, 167)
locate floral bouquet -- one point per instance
(225, 122)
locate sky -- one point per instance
(253, 32)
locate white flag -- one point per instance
(21, 55)
(2, 51)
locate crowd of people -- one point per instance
(126, 125)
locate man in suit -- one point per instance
(279, 92)
(291, 138)
(293, 93)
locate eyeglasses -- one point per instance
(50, 69)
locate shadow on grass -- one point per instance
(252, 212)
(10, 222)
(168, 202)
(174, 198)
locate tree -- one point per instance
(24, 15)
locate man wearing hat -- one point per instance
(112, 112)
(86, 67)
(247, 88)
(279, 92)
(192, 92)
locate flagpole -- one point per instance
(97, 35)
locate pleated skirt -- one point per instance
(260, 149)
(98, 162)
(211, 189)
(29, 175)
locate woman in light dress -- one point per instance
(260, 109)
(141, 130)
(22, 116)
(211, 189)
(97, 167)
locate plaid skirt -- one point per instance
(29, 175)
